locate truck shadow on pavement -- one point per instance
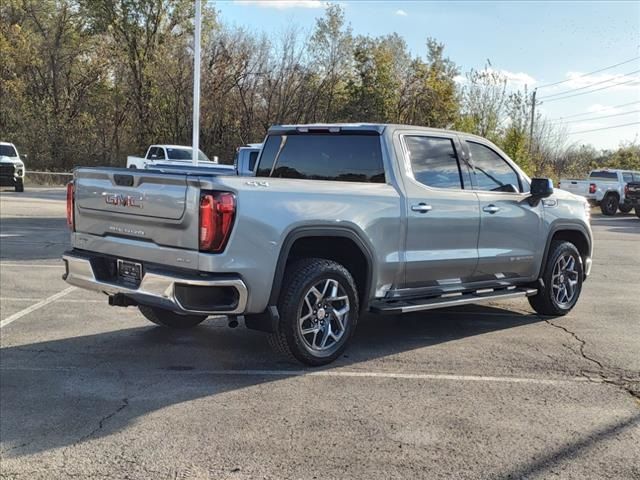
(65, 392)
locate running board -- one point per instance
(449, 300)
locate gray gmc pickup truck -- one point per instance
(339, 220)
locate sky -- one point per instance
(534, 43)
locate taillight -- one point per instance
(217, 211)
(626, 189)
(70, 201)
(592, 188)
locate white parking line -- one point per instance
(36, 306)
(328, 373)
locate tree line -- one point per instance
(88, 82)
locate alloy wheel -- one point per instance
(564, 280)
(323, 317)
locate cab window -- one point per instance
(434, 161)
(491, 172)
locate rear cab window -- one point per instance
(343, 157)
(435, 163)
(253, 156)
(603, 175)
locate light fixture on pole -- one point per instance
(196, 83)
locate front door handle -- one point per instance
(491, 209)
(421, 207)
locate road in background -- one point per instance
(492, 391)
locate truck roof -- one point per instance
(163, 145)
(361, 127)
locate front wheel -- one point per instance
(562, 278)
(19, 186)
(167, 318)
(609, 205)
(318, 311)
(638, 212)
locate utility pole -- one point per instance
(533, 117)
(196, 84)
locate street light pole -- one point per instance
(533, 118)
(196, 83)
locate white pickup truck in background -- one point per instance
(12, 169)
(174, 157)
(169, 155)
(604, 188)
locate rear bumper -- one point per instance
(632, 200)
(178, 292)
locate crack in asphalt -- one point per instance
(606, 374)
(101, 423)
(15, 447)
(103, 420)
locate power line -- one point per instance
(596, 90)
(596, 118)
(605, 128)
(592, 85)
(590, 113)
(590, 73)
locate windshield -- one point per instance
(7, 151)
(185, 154)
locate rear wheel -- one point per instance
(318, 311)
(609, 204)
(167, 318)
(562, 278)
(19, 185)
(625, 207)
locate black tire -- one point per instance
(19, 186)
(545, 301)
(625, 207)
(298, 282)
(167, 318)
(638, 212)
(609, 204)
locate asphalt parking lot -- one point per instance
(92, 391)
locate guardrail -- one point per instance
(47, 178)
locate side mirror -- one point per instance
(540, 188)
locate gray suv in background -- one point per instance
(339, 220)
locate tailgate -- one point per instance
(141, 204)
(579, 187)
(633, 190)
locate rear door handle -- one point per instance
(491, 209)
(421, 207)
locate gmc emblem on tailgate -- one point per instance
(119, 199)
